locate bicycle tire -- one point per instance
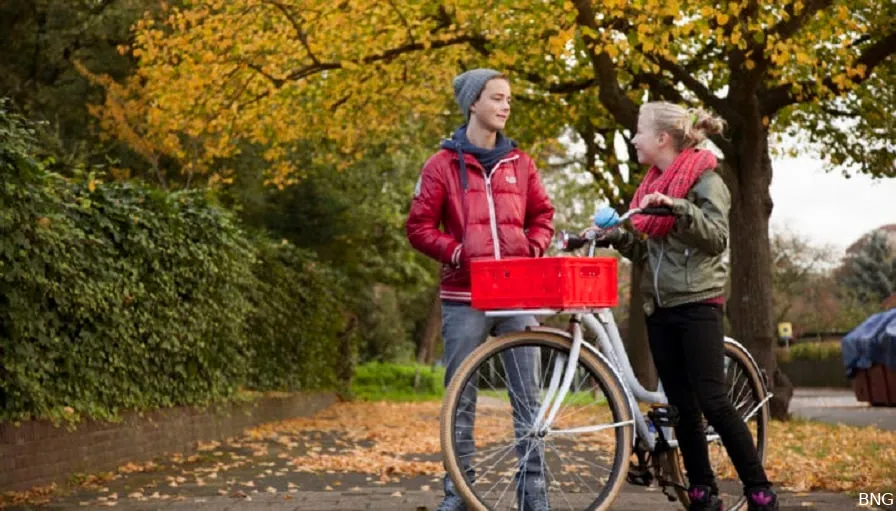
(605, 377)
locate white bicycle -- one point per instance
(588, 421)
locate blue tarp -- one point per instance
(872, 342)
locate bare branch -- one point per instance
(836, 112)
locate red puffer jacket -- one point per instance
(507, 214)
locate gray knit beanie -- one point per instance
(468, 86)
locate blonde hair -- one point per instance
(687, 127)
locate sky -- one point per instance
(828, 208)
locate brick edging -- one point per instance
(37, 453)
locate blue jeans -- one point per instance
(463, 330)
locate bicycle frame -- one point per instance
(615, 357)
(602, 324)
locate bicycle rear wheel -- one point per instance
(497, 456)
(746, 391)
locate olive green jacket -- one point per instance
(690, 264)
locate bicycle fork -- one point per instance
(562, 376)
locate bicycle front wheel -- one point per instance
(500, 456)
(748, 395)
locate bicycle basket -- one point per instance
(547, 282)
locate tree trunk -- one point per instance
(750, 306)
(636, 338)
(427, 347)
(345, 371)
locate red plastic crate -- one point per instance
(547, 282)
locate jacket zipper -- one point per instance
(687, 272)
(656, 275)
(492, 215)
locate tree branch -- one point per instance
(100, 7)
(703, 93)
(404, 21)
(300, 32)
(786, 28)
(776, 98)
(278, 82)
(836, 112)
(304, 72)
(556, 88)
(665, 89)
(611, 96)
(783, 30)
(704, 52)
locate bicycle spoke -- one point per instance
(600, 467)
(559, 485)
(571, 467)
(578, 457)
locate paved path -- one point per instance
(236, 479)
(840, 406)
(398, 498)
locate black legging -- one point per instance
(688, 350)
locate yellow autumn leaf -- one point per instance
(349, 77)
(735, 38)
(611, 50)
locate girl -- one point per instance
(684, 286)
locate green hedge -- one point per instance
(297, 326)
(117, 296)
(808, 350)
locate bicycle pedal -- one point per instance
(663, 416)
(638, 475)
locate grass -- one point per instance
(377, 381)
(580, 398)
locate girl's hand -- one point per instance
(604, 237)
(593, 229)
(655, 199)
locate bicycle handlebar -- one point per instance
(569, 242)
(657, 211)
(650, 211)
